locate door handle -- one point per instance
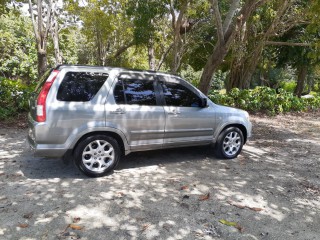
(118, 111)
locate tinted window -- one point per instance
(180, 96)
(135, 91)
(80, 86)
(119, 93)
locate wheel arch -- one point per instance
(238, 125)
(114, 135)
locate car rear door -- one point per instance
(187, 123)
(135, 108)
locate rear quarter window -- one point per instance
(80, 86)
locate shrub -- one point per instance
(14, 96)
(265, 99)
(288, 86)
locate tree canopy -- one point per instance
(215, 43)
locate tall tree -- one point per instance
(17, 47)
(148, 22)
(44, 17)
(227, 28)
(273, 20)
(177, 19)
(107, 28)
(55, 33)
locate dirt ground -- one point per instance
(271, 191)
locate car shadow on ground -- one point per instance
(46, 168)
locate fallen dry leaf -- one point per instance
(239, 227)
(243, 206)
(255, 209)
(75, 227)
(23, 225)
(236, 205)
(204, 197)
(184, 187)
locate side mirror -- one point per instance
(204, 103)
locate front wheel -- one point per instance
(229, 143)
(97, 155)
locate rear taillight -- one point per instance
(41, 101)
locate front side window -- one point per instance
(80, 86)
(179, 96)
(135, 91)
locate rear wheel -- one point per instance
(97, 155)
(229, 143)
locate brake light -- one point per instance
(41, 101)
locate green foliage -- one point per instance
(265, 99)
(14, 96)
(288, 86)
(17, 47)
(146, 15)
(190, 75)
(106, 29)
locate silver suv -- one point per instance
(95, 114)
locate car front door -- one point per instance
(137, 111)
(187, 122)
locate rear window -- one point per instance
(80, 86)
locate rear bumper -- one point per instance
(42, 150)
(45, 150)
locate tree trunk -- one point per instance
(246, 58)
(226, 32)
(302, 75)
(163, 57)
(177, 41)
(214, 61)
(55, 34)
(41, 30)
(100, 58)
(42, 63)
(151, 58)
(235, 77)
(55, 39)
(242, 70)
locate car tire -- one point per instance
(97, 155)
(229, 143)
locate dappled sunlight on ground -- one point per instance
(272, 191)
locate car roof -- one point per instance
(63, 66)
